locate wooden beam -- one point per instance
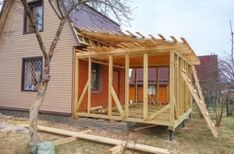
(64, 141)
(141, 35)
(77, 106)
(155, 115)
(110, 80)
(178, 85)
(158, 79)
(76, 82)
(162, 37)
(172, 88)
(145, 86)
(96, 108)
(132, 35)
(106, 64)
(126, 108)
(89, 86)
(118, 149)
(201, 104)
(106, 140)
(117, 102)
(173, 38)
(138, 120)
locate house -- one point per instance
(21, 58)
(207, 72)
(90, 68)
(158, 87)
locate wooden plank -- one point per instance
(126, 108)
(96, 108)
(129, 144)
(172, 88)
(194, 72)
(178, 86)
(201, 104)
(110, 80)
(130, 119)
(64, 140)
(89, 86)
(81, 96)
(145, 86)
(118, 149)
(117, 102)
(155, 115)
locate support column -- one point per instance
(145, 87)
(110, 80)
(126, 108)
(89, 86)
(76, 82)
(172, 88)
(158, 78)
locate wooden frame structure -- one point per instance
(128, 51)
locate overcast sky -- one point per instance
(204, 23)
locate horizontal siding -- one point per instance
(14, 46)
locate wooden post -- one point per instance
(126, 108)
(180, 88)
(136, 86)
(172, 89)
(110, 80)
(190, 96)
(89, 87)
(177, 92)
(158, 78)
(145, 87)
(76, 84)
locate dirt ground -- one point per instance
(195, 138)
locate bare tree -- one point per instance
(117, 8)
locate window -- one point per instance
(31, 73)
(96, 77)
(151, 90)
(37, 9)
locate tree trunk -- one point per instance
(34, 138)
(34, 109)
(219, 118)
(41, 91)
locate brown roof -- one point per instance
(152, 77)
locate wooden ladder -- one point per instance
(199, 99)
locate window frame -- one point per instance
(34, 3)
(23, 72)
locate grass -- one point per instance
(194, 138)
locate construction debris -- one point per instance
(129, 144)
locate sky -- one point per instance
(204, 23)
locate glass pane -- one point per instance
(39, 17)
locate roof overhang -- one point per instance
(101, 43)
